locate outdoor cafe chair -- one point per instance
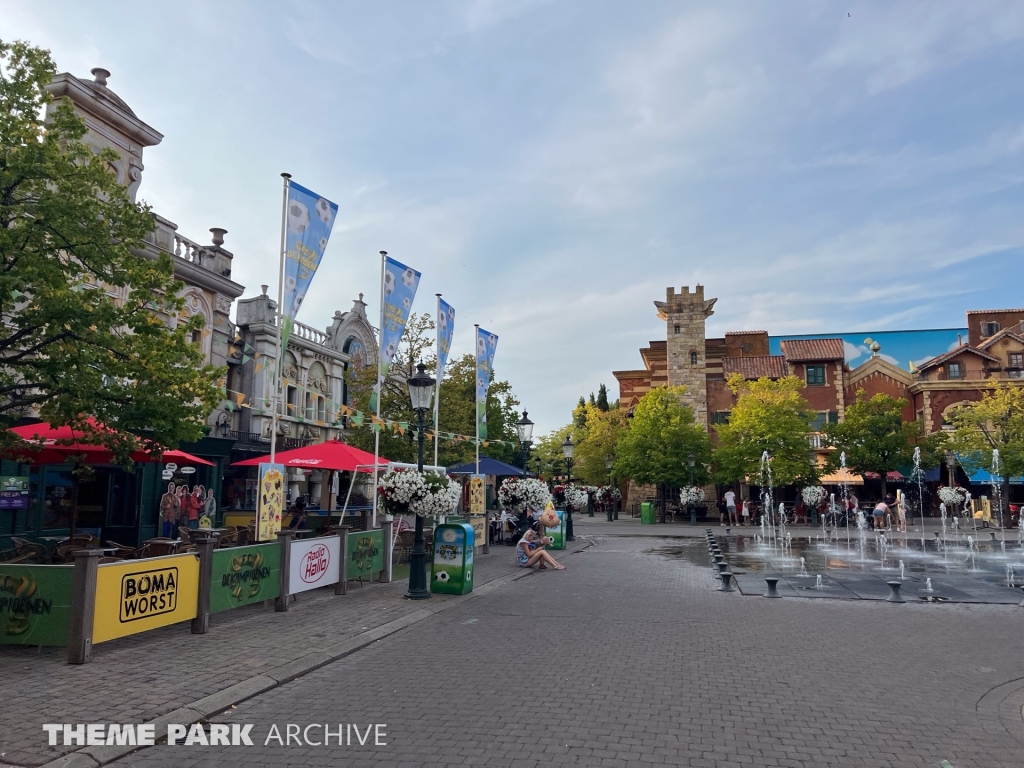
(122, 550)
(158, 547)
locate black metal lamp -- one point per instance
(692, 461)
(568, 446)
(421, 395)
(525, 428)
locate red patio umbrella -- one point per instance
(332, 454)
(46, 444)
(894, 475)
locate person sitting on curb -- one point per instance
(529, 551)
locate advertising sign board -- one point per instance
(35, 604)
(365, 554)
(269, 501)
(138, 595)
(244, 575)
(314, 563)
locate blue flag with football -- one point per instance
(486, 343)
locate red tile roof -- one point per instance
(756, 367)
(1006, 333)
(746, 333)
(992, 311)
(801, 350)
(953, 353)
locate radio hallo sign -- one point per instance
(139, 595)
(314, 563)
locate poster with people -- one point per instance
(269, 501)
(182, 507)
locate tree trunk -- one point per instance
(661, 500)
(882, 476)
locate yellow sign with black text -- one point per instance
(139, 595)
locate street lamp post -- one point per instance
(525, 428)
(691, 460)
(611, 504)
(567, 448)
(421, 393)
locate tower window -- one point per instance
(990, 328)
(693, 358)
(954, 371)
(676, 330)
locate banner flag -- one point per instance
(445, 329)
(400, 284)
(309, 221)
(486, 343)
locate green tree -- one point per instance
(994, 423)
(602, 397)
(86, 319)
(768, 416)
(579, 414)
(873, 436)
(653, 449)
(456, 408)
(597, 442)
(547, 460)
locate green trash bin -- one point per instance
(647, 514)
(452, 567)
(557, 534)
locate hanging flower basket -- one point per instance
(691, 496)
(813, 495)
(576, 497)
(410, 492)
(952, 495)
(524, 493)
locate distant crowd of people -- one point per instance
(885, 512)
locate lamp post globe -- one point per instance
(525, 429)
(568, 446)
(421, 395)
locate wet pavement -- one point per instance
(858, 568)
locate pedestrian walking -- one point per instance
(730, 506)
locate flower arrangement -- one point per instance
(524, 493)
(603, 495)
(616, 494)
(407, 491)
(813, 495)
(691, 495)
(953, 495)
(576, 496)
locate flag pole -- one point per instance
(476, 337)
(440, 374)
(280, 321)
(380, 394)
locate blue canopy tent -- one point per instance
(488, 466)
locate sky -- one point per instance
(551, 167)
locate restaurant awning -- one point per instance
(488, 466)
(842, 477)
(889, 476)
(331, 454)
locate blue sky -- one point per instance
(552, 166)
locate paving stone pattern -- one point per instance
(139, 678)
(631, 658)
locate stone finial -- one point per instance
(218, 235)
(264, 287)
(100, 75)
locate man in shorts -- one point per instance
(730, 507)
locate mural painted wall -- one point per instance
(900, 348)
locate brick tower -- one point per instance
(684, 315)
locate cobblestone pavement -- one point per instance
(632, 658)
(139, 678)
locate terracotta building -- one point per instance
(942, 381)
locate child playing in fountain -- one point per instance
(879, 514)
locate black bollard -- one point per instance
(726, 582)
(719, 559)
(728, 531)
(894, 592)
(992, 534)
(1022, 601)
(772, 588)
(722, 567)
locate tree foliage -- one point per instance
(456, 408)
(602, 398)
(85, 316)
(596, 442)
(768, 416)
(873, 436)
(996, 422)
(662, 433)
